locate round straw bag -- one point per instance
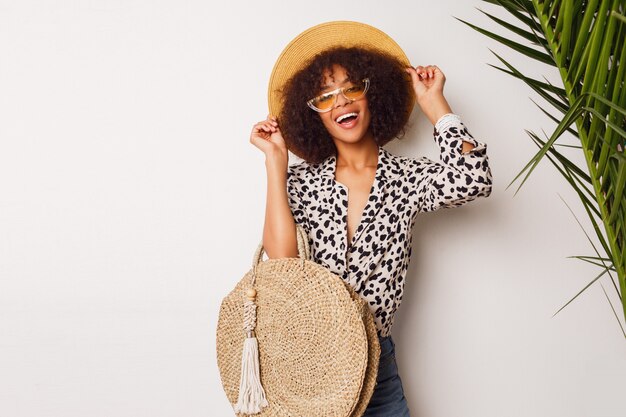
(295, 340)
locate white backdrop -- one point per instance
(131, 202)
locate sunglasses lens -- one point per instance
(324, 102)
(355, 92)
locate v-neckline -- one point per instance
(368, 202)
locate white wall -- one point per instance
(131, 202)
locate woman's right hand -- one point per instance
(267, 137)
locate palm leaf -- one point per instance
(526, 50)
(586, 41)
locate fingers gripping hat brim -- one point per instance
(319, 38)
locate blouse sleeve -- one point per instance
(295, 200)
(458, 177)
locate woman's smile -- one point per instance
(347, 120)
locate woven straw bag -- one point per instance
(310, 346)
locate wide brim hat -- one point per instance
(304, 47)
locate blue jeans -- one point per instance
(388, 398)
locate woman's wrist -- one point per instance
(435, 107)
(277, 161)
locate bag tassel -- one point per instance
(251, 393)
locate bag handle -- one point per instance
(304, 251)
(251, 392)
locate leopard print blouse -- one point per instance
(376, 260)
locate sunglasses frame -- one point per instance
(336, 93)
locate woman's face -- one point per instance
(352, 129)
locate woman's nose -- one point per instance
(341, 100)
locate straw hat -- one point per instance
(319, 38)
(318, 350)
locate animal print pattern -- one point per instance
(375, 262)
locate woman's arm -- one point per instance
(279, 229)
(437, 107)
(428, 84)
(461, 175)
(463, 172)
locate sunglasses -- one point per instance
(325, 102)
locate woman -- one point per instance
(357, 201)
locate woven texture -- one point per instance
(316, 39)
(318, 347)
(373, 354)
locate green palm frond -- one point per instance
(585, 40)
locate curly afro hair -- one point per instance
(389, 97)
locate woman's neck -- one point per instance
(358, 155)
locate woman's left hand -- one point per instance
(428, 86)
(427, 81)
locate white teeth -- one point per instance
(343, 116)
